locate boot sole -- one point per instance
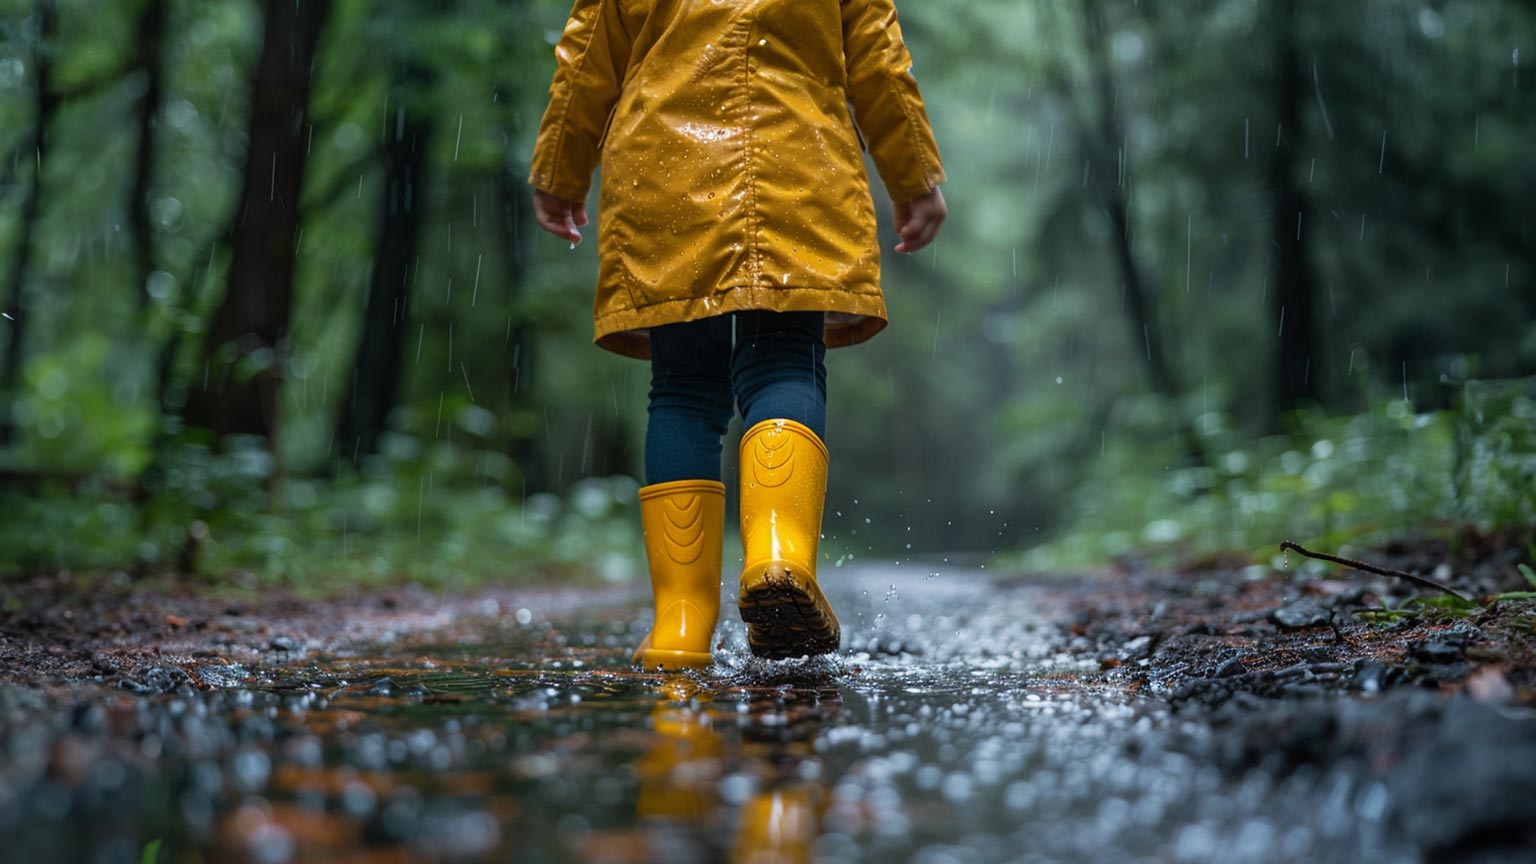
(786, 615)
(667, 660)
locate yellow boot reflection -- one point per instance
(679, 774)
(697, 745)
(779, 826)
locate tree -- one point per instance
(46, 103)
(150, 63)
(375, 378)
(244, 349)
(1295, 282)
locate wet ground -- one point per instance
(1220, 714)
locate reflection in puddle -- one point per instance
(560, 763)
(692, 776)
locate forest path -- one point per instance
(1208, 716)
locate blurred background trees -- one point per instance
(1214, 270)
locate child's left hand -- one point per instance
(918, 220)
(559, 216)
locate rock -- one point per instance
(1301, 614)
(1436, 651)
(1230, 669)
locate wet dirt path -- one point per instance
(964, 720)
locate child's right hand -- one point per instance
(918, 220)
(559, 216)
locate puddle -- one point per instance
(952, 728)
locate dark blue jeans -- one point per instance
(769, 364)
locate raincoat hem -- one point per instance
(857, 316)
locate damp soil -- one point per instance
(1217, 711)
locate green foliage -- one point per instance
(1337, 480)
(441, 516)
(1496, 449)
(1013, 382)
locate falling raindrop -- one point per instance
(1189, 247)
(421, 495)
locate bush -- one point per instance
(1337, 480)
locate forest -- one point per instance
(1218, 273)
(1186, 510)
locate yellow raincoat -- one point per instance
(732, 177)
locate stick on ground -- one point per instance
(1372, 568)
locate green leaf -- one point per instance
(1517, 595)
(151, 853)
(1446, 601)
(1528, 573)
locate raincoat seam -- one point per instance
(912, 132)
(558, 150)
(755, 262)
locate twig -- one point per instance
(1372, 568)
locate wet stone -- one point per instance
(1436, 651)
(1301, 614)
(1229, 669)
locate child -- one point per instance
(737, 244)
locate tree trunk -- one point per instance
(243, 352)
(46, 104)
(515, 207)
(375, 379)
(1138, 292)
(1294, 295)
(151, 43)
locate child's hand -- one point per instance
(918, 220)
(559, 216)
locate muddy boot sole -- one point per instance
(786, 615)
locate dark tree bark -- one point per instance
(1295, 285)
(515, 207)
(247, 337)
(151, 44)
(46, 103)
(375, 379)
(1109, 188)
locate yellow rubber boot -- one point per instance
(683, 522)
(783, 489)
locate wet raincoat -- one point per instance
(732, 174)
